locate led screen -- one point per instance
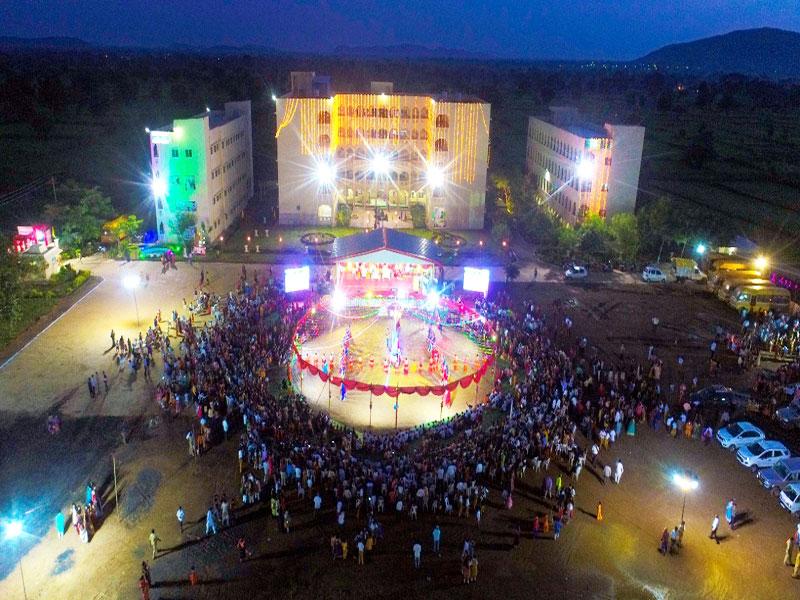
(296, 280)
(476, 280)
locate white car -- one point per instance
(762, 454)
(576, 272)
(739, 434)
(790, 498)
(654, 274)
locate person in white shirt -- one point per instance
(618, 473)
(181, 514)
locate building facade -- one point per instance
(580, 170)
(204, 166)
(380, 153)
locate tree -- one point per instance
(505, 198)
(595, 237)
(624, 229)
(12, 270)
(79, 215)
(655, 224)
(512, 271)
(184, 225)
(500, 232)
(128, 230)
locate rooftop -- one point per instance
(384, 239)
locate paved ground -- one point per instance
(613, 559)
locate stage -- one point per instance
(368, 353)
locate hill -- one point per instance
(765, 52)
(43, 43)
(413, 51)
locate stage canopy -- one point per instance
(385, 259)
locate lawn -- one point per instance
(39, 300)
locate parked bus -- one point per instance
(760, 298)
(716, 280)
(730, 282)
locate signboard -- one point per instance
(476, 280)
(296, 279)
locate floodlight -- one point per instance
(338, 300)
(12, 529)
(701, 248)
(585, 169)
(432, 300)
(761, 262)
(159, 187)
(131, 282)
(274, 98)
(325, 173)
(684, 482)
(379, 164)
(435, 176)
(547, 175)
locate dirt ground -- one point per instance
(615, 558)
(369, 339)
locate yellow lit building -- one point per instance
(380, 153)
(581, 170)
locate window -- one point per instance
(442, 121)
(423, 114)
(175, 153)
(155, 151)
(324, 140)
(324, 117)
(423, 134)
(342, 132)
(414, 134)
(440, 145)
(383, 113)
(608, 160)
(342, 111)
(188, 153)
(349, 132)
(415, 113)
(382, 133)
(393, 134)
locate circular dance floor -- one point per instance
(369, 340)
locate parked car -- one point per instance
(781, 474)
(654, 274)
(739, 434)
(790, 498)
(576, 272)
(711, 401)
(762, 454)
(789, 416)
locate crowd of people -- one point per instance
(551, 386)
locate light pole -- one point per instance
(685, 482)
(131, 282)
(13, 529)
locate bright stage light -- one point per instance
(131, 282)
(585, 169)
(432, 300)
(325, 173)
(761, 263)
(476, 280)
(379, 164)
(159, 187)
(435, 176)
(338, 300)
(297, 279)
(12, 529)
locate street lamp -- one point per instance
(131, 282)
(701, 249)
(12, 530)
(686, 483)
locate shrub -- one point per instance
(343, 214)
(418, 215)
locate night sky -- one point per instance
(603, 29)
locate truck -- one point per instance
(686, 268)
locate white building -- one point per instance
(580, 169)
(203, 165)
(381, 153)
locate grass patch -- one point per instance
(39, 299)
